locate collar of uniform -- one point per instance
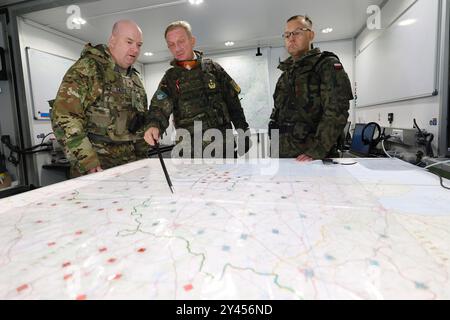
(198, 58)
(122, 71)
(188, 65)
(99, 52)
(290, 62)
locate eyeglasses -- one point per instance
(297, 32)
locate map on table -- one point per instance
(230, 231)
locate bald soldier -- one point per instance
(98, 115)
(311, 99)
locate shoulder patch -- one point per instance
(160, 95)
(338, 66)
(235, 86)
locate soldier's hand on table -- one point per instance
(304, 158)
(96, 169)
(152, 136)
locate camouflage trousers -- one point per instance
(113, 155)
(292, 148)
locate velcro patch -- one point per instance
(236, 86)
(160, 95)
(338, 66)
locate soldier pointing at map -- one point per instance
(195, 89)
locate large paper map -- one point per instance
(252, 75)
(379, 229)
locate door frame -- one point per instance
(13, 12)
(444, 96)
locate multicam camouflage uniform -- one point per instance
(311, 104)
(93, 109)
(206, 93)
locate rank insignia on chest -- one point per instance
(211, 84)
(128, 82)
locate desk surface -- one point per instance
(379, 229)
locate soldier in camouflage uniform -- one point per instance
(194, 89)
(311, 97)
(99, 113)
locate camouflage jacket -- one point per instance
(206, 93)
(311, 103)
(96, 100)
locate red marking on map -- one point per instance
(67, 276)
(117, 276)
(22, 288)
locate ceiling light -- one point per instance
(407, 22)
(195, 2)
(148, 54)
(79, 21)
(327, 30)
(229, 43)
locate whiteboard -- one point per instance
(46, 72)
(402, 63)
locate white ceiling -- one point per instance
(248, 23)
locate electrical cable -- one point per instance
(15, 152)
(441, 178)
(442, 183)
(436, 164)
(384, 149)
(43, 139)
(426, 168)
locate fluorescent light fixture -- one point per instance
(407, 22)
(148, 54)
(80, 21)
(195, 2)
(327, 30)
(229, 43)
